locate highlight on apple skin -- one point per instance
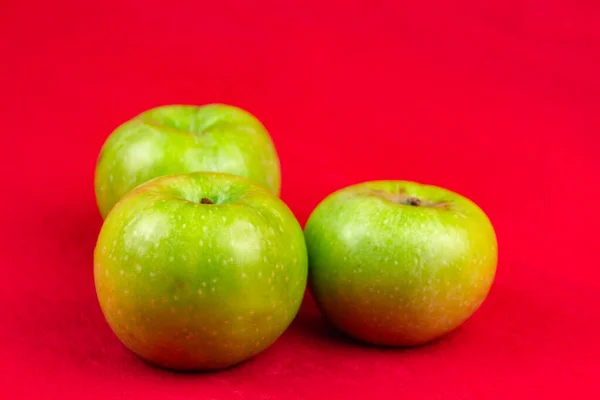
(174, 139)
(399, 263)
(200, 271)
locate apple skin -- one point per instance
(175, 139)
(192, 286)
(390, 273)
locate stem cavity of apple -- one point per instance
(206, 201)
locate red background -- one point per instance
(496, 100)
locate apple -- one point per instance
(199, 271)
(399, 263)
(174, 139)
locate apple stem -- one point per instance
(206, 201)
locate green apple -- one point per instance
(176, 139)
(200, 271)
(399, 263)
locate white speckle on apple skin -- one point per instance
(152, 274)
(138, 268)
(200, 291)
(122, 272)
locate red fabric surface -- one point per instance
(496, 100)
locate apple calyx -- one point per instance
(412, 201)
(204, 200)
(401, 198)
